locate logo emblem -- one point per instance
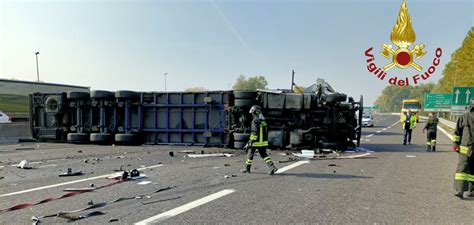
(404, 54)
(403, 36)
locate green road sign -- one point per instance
(437, 102)
(460, 99)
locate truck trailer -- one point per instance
(317, 118)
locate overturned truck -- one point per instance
(316, 118)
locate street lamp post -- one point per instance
(37, 67)
(165, 79)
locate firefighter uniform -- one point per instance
(408, 123)
(463, 143)
(431, 128)
(258, 141)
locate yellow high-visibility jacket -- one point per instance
(403, 120)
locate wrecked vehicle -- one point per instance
(314, 118)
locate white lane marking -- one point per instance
(411, 156)
(45, 166)
(181, 209)
(395, 124)
(69, 182)
(367, 140)
(354, 156)
(289, 167)
(446, 133)
(378, 131)
(384, 129)
(370, 135)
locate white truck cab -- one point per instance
(5, 118)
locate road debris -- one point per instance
(113, 220)
(411, 156)
(290, 159)
(71, 218)
(333, 164)
(144, 183)
(69, 173)
(162, 200)
(80, 151)
(309, 154)
(226, 164)
(120, 157)
(86, 161)
(118, 170)
(79, 189)
(186, 151)
(171, 154)
(24, 164)
(35, 220)
(25, 148)
(210, 155)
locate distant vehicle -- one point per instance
(412, 105)
(5, 118)
(367, 121)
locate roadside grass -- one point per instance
(16, 105)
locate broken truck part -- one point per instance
(317, 118)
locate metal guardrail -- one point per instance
(445, 122)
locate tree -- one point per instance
(196, 89)
(460, 70)
(392, 96)
(250, 84)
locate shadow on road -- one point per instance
(323, 175)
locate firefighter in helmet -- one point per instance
(258, 141)
(431, 128)
(463, 144)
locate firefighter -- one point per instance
(258, 141)
(408, 121)
(463, 144)
(431, 128)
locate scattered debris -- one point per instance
(171, 154)
(162, 200)
(26, 140)
(26, 148)
(79, 189)
(411, 156)
(78, 217)
(91, 185)
(113, 220)
(333, 171)
(305, 154)
(226, 164)
(333, 164)
(86, 160)
(210, 155)
(354, 156)
(70, 173)
(118, 170)
(1, 178)
(24, 164)
(35, 220)
(227, 176)
(283, 153)
(144, 183)
(97, 159)
(80, 151)
(187, 151)
(90, 202)
(290, 159)
(215, 167)
(233, 175)
(120, 157)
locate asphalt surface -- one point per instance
(385, 183)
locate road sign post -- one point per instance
(460, 100)
(437, 102)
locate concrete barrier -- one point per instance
(13, 131)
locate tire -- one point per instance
(126, 94)
(77, 95)
(243, 102)
(97, 94)
(102, 138)
(126, 138)
(52, 104)
(336, 97)
(77, 137)
(245, 94)
(241, 137)
(239, 144)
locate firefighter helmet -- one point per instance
(255, 110)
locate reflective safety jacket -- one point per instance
(259, 133)
(464, 133)
(411, 121)
(432, 124)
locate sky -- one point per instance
(117, 45)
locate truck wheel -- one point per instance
(77, 137)
(336, 97)
(239, 144)
(127, 94)
(241, 137)
(52, 104)
(97, 94)
(245, 94)
(77, 95)
(243, 102)
(127, 138)
(102, 138)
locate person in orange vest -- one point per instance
(463, 144)
(258, 141)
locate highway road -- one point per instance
(383, 182)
